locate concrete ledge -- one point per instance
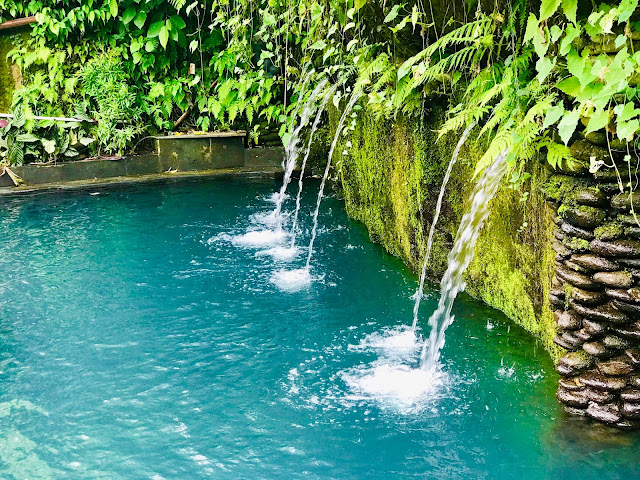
(134, 179)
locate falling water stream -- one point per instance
(314, 127)
(459, 258)
(352, 101)
(291, 151)
(420, 290)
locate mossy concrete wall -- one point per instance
(10, 76)
(391, 179)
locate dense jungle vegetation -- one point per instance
(531, 76)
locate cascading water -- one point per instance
(352, 101)
(420, 290)
(314, 127)
(291, 152)
(294, 280)
(459, 258)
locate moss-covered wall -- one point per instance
(10, 77)
(391, 180)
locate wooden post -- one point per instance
(18, 22)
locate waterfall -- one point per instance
(454, 158)
(459, 258)
(352, 101)
(314, 127)
(291, 151)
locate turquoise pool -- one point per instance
(139, 341)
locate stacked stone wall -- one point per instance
(596, 288)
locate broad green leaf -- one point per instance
(570, 35)
(318, 45)
(553, 115)
(27, 138)
(177, 22)
(414, 15)
(391, 16)
(568, 125)
(544, 66)
(626, 9)
(548, 8)
(163, 36)
(49, 145)
(154, 29)
(555, 32)
(598, 120)
(570, 8)
(626, 130)
(620, 40)
(532, 28)
(359, 4)
(193, 45)
(625, 112)
(113, 8)
(128, 15)
(140, 19)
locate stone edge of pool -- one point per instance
(176, 157)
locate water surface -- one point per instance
(137, 340)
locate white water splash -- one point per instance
(292, 280)
(259, 238)
(398, 342)
(459, 258)
(420, 291)
(283, 254)
(352, 101)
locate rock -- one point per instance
(626, 424)
(583, 335)
(634, 381)
(614, 342)
(574, 266)
(582, 216)
(609, 188)
(567, 320)
(631, 332)
(559, 234)
(609, 231)
(556, 301)
(576, 245)
(571, 339)
(616, 366)
(595, 262)
(633, 231)
(602, 382)
(597, 349)
(633, 354)
(575, 361)
(631, 395)
(561, 250)
(557, 220)
(604, 312)
(574, 398)
(606, 175)
(590, 196)
(631, 410)
(628, 219)
(580, 412)
(586, 297)
(623, 201)
(600, 396)
(572, 383)
(632, 295)
(607, 413)
(584, 150)
(562, 342)
(616, 248)
(576, 279)
(593, 328)
(619, 279)
(577, 231)
(631, 308)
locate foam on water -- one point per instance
(279, 253)
(392, 342)
(259, 238)
(264, 218)
(292, 280)
(395, 385)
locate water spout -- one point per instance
(291, 151)
(423, 275)
(314, 127)
(459, 258)
(352, 101)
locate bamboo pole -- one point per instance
(37, 117)
(18, 22)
